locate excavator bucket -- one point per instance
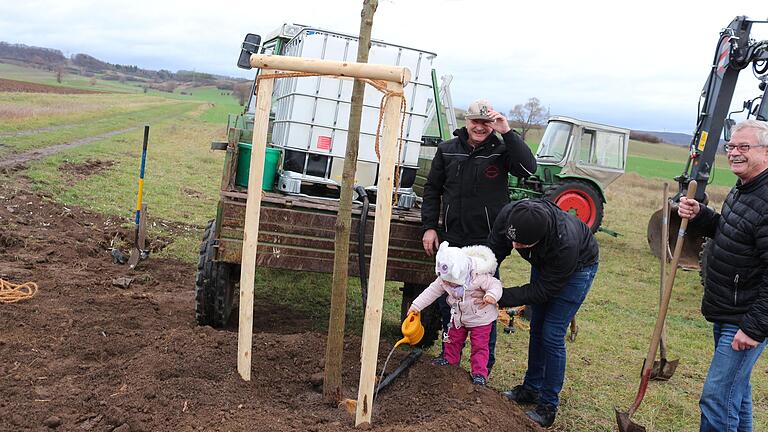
(692, 243)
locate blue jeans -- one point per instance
(549, 323)
(726, 400)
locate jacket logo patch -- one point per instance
(491, 172)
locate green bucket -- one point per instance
(244, 165)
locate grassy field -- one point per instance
(40, 76)
(42, 120)
(222, 104)
(182, 182)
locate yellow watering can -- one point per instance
(412, 330)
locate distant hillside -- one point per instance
(86, 65)
(676, 138)
(32, 55)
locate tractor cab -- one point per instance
(576, 160)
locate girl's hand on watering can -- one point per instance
(488, 299)
(412, 310)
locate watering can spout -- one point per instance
(412, 330)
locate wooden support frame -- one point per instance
(395, 78)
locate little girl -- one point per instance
(460, 273)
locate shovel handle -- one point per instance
(141, 175)
(670, 281)
(664, 248)
(663, 306)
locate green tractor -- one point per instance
(577, 160)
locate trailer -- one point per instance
(304, 159)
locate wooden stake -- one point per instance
(251, 231)
(372, 324)
(334, 348)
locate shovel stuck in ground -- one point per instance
(663, 369)
(138, 252)
(623, 419)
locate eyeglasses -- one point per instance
(742, 148)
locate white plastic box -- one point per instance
(312, 113)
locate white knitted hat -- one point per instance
(452, 264)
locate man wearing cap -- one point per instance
(468, 184)
(563, 255)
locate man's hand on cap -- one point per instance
(500, 123)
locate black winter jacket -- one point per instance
(473, 184)
(736, 280)
(568, 246)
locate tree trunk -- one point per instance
(335, 343)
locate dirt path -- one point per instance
(84, 355)
(13, 161)
(37, 131)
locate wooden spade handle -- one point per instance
(668, 287)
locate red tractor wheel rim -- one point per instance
(581, 204)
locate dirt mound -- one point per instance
(80, 171)
(85, 355)
(7, 85)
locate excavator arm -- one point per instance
(735, 52)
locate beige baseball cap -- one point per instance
(478, 110)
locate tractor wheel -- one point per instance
(580, 199)
(215, 284)
(430, 317)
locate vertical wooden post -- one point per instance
(372, 324)
(251, 231)
(334, 348)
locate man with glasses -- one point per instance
(468, 183)
(736, 280)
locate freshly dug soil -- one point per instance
(7, 85)
(84, 355)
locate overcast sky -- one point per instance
(639, 65)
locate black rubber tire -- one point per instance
(430, 317)
(583, 190)
(215, 284)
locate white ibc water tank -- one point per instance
(312, 113)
